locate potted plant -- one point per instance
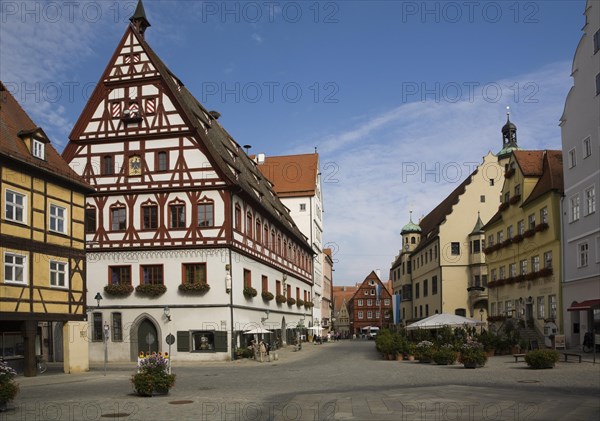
(445, 355)
(250, 292)
(8, 387)
(542, 358)
(411, 350)
(153, 376)
(118, 290)
(194, 288)
(151, 290)
(425, 351)
(291, 301)
(472, 355)
(267, 296)
(280, 298)
(299, 302)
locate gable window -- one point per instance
(194, 273)
(58, 274)
(590, 200)
(117, 218)
(14, 268)
(455, 248)
(152, 274)
(177, 215)
(572, 158)
(574, 204)
(149, 216)
(369, 303)
(206, 214)
(57, 218)
(108, 167)
(38, 149)
(120, 275)
(14, 207)
(360, 302)
(162, 161)
(90, 220)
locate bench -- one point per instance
(568, 354)
(517, 356)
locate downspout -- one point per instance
(563, 274)
(231, 304)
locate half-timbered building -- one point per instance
(42, 281)
(182, 216)
(370, 306)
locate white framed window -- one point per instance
(541, 307)
(531, 220)
(386, 302)
(535, 263)
(58, 216)
(15, 206)
(523, 267)
(360, 303)
(548, 260)
(38, 149)
(369, 303)
(544, 215)
(572, 158)
(587, 147)
(512, 270)
(302, 207)
(58, 274)
(360, 314)
(369, 314)
(574, 208)
(552, 304)
(582, 255)
(521, 227)
(15, 269)
(590, 200)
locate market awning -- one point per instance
(584, 305)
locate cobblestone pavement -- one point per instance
(345, 380)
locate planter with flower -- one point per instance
(541, 227)
(425, 351)
(472, 355)
(118, 290)
(151, 290)
(267, 296)
(309, 304)
(153, 376)
(542, 358)
(250, 292)
(280, 299)
(299, 302)
(8, 387)
(194, 288)
(445, 355)
(291, 301)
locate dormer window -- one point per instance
(38, 149)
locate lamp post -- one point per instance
(106, 332)
(170, 338)
(481, 318)
(98, 297)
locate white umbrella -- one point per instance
(438, 321)
(257, 330)
(317, 328)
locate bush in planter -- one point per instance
(445, 355)
(300, 302)
(8, 387)
(118, 290)
(152, 376)
(197, 287)
(280, 298)
(472, 354)
(153, 290)
(267, 296)
(291, 301)
(250, 292)
(424, 351)
(542, 358)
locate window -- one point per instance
(574, 205)
(490, 240)
(238, 217)
(535, 263)
(194, 273)
(278, 287)
(369, 303)
(258, 231)
(117, 218)
(509, 232)
(484, 280)
(494, 274)
(506, 197)
(512, 270)
(426, 310)
(206, 214)
(177, 215)
(369, 315)
(152, 274)
(541, 310)
(425, 288)
(598, 84)
(249, 224)
(482, 198)
(572, 158)
(360, 314)
(58, 274)
(583, 255)
(38, 149)
(203, 341)
(590, 200)
(501, 272)
(587, 147)
(455, 248)
(521, 227)
(14, 208)
(57, 218)
(597, 41)
(500, 237)
(90, 220)
(386, 302)
(420, 311)
(297, 293)
(149, 216)
(108, 167)
(476, 280)
(531, 221)
(517, 190)
(523, 266)
(501, 308)
(509, 307)
(97, 330)
(548, 260)
(417, 290)
(493, 309)
(162, 161)
(491, 181)
(265, 283)
(247, 278)
(372, 292)
(476, 246)
(552, 305)
(360, 302)
(117, 327)
(544, 215)
(120, 275)
(14, 268)
(434, 285)
(302, 207)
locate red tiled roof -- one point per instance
(551, 178)
(292, 175)
(530, 162)
(342, 294)
(14, 123)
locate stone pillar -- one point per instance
(76, 347)
(29, 330)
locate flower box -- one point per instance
(506, 242)
(267, 296)
(280, 299)
(515, 199)
(151, 290)
(544, 272)
(509, 173)
(250, 292)
(291, 301)
(503, 206)
(299, 302)
(517, 238)
(194, 288)
(309, 304)
(529, 233)
(541, 227)
(118, 290)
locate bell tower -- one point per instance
(139, 20)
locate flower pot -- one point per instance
(399, 357)
(411, 358)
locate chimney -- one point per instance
(260, 158)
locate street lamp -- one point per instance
(106, 332)
(167, 313)
(98, 297)
(481, 314)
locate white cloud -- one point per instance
(257, 38)
(411, 157)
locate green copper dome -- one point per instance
(411, 227)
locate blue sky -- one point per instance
(377, 86)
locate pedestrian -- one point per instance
(262, 349)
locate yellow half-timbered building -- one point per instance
(42, 242)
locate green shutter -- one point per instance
(221, 341)
(183, 341)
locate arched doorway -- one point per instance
(147, 337)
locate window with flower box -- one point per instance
(531, 221)
(523, 265)
(521, 227)
(194, 273)
(512, 270)
(152, 275)
(120, 275)
(535, 263)
(548, 260)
